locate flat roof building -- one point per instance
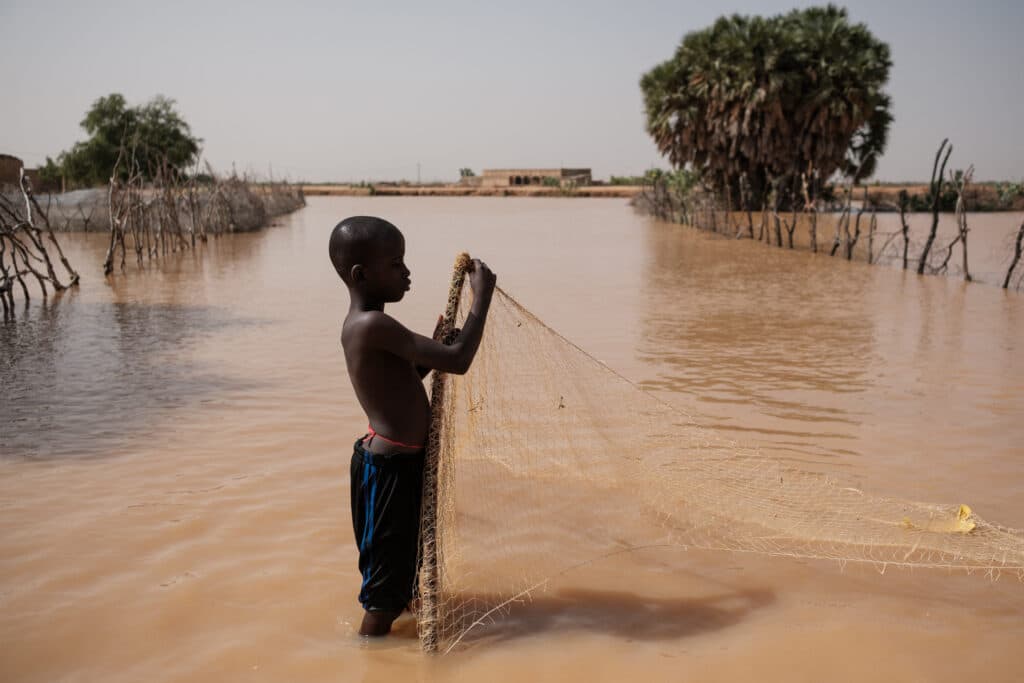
(10, 174)
(510, 177)
(10, 169)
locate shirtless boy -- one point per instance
(386, 363)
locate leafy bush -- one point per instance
(148, 139)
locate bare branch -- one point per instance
(1017, 248)
(936, 196)
(23, 248)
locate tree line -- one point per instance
(758, 115)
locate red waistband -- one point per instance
(371, 432)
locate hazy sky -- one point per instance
(346, 91)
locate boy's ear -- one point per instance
(358, 273)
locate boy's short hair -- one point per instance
(354, 239)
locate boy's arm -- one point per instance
(387, 333)
(436, 336)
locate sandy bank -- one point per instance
(388, 189)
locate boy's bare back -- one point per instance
(388, 387)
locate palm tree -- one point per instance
(770, 98)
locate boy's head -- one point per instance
(368, 253)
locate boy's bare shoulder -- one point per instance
(368, 327)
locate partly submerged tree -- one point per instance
(770, 98)
(149, 138)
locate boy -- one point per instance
(386, 363)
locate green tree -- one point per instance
(771, 98)
(149, 138)
(50, 173)
(466, 173)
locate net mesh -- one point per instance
(539, 435)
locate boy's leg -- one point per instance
(377, 623)
(386, 494)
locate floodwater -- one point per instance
(174, 453)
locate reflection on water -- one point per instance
(749, 330)
(874, 369)
(213, 540)
(80, 376)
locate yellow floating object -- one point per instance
(962, 524)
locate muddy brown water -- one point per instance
(174, 452)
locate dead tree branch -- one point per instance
(872, 228)
(851, 241)
(960, 184)
(938, 173)
(904, 200)
(1017, 248)
(745, 200)
(23, 251)
(170, 213)
(810, 208)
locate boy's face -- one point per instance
(387, 278)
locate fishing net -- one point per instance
(539, 435)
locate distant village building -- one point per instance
(10, 169)
(10, 172)
(511, 177)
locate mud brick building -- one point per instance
(510, 177)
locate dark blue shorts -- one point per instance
(386, 495)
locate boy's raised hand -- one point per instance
(453, 354)
(481, 279)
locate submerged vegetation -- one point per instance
(24, 256)
(682, 196)
(157, 199)
(151, 219)
(172, 212)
